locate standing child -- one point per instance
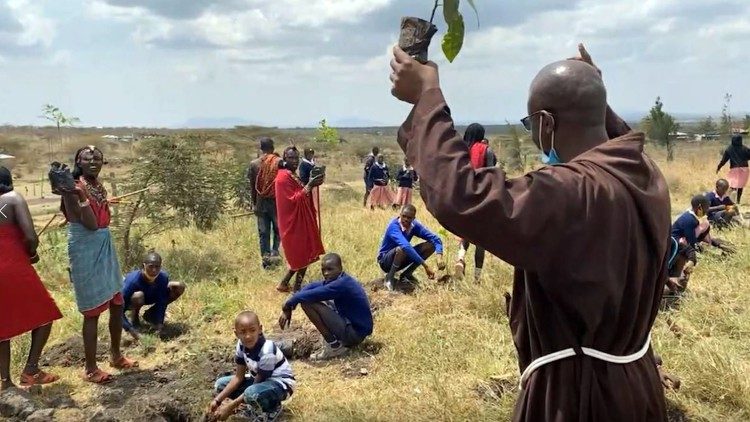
(380, 195)
(406, 177)
(263, 377)
(481, 156)
(94, 270)
(738, 156)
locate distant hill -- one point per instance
(214, 123)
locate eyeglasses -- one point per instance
(526, 121)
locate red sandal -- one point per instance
(98, 377)
(40, 378)
(123, 363)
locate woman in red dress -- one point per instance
(25, 304)
(298, 225)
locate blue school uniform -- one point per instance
(406, 178)
(156, 293)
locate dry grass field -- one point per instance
(443, 353)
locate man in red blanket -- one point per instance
(298, 224)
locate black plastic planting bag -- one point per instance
(415, 37)
(60, 178)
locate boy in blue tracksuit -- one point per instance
(396, 252)
(337, 306)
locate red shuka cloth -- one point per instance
(25, 304)
(477, 154)
(298, 223)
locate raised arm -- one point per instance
(509, 218)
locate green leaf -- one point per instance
(473, 6)
(453, 39)
(450, 11)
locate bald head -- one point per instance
(572, 91)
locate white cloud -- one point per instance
(34, 29)
(291, 61)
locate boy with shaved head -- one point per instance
(587, 235)
(263, 377)
(337, 306)
(148, 286)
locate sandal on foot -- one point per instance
(98, 377)
(40, 378)
(123, 363)
(283, 288)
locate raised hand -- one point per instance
(584, 56)
(411, 78)
(60, 178)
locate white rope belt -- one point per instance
(566, 353)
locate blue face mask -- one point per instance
(550, 158)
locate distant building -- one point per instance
(681, 136)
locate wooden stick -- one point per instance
(242, 215)
(47, 225)
(129, 194)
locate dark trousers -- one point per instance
(267, 225)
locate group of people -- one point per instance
(377, 177)
(692, 229)
(583, 303)
(94, 272)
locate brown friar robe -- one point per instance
(589, 243)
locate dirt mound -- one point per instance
(70, 352)
(297, 342)
(15, 403)
(379, 302)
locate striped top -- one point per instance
(266, 358)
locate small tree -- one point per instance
(189, 187)
(53, 114)
(747, 122)
(707, 126)
(326, 133)
(659, 125)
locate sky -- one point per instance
(286, 63)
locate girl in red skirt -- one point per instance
(381, 195)
(25, 304)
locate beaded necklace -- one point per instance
(95, 191)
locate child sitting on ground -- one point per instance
(689, 230)
(722, 212)
(263, 377)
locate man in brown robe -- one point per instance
(588, 238)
